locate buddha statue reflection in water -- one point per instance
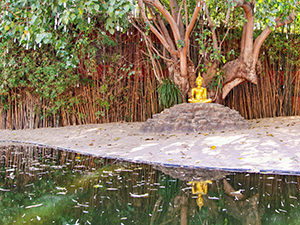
(199, 94)
(200, 188)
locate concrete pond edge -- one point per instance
(152, 163)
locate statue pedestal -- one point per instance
(197, 117)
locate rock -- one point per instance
(197, 117)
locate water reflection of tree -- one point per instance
(263, 199)
(105, 188)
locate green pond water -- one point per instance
(45, 186)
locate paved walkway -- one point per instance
(270, 145)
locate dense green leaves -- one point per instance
(169, 94)
(60, 23)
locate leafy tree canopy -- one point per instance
(62, 24)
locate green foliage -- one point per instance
(43, 44)
(36, 73)
(168, 94)
(180, 44)
(217, 83)
(63, 24)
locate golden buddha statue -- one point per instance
(199, 94)
(200, 188)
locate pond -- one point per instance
(47, 186)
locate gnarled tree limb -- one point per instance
(167, 15)
(155, 31)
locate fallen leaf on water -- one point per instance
(2, 189)
(240, 158)
(139, 196)
(117, 138)
(33, 206)
(213, 147)
(111, 189)
(170, 159)
(91, 144)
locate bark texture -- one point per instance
(175, 42)
(243, 68)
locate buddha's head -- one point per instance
(199, 80)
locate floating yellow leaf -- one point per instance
(117, 138)
(170, 159)
(240, 158)
(213, 147)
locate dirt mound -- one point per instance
(198, 117)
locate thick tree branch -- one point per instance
(154, 19)
(243, 41)
(164, 29)
(248, 29)
(229, 86)
(167, 15)
(154, 30)
(192, 23)
(190, 28)
(176, 15)
(179, 13)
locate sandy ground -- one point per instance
(270, 145)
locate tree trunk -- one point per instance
(237, 72)
(192, 77)
(183, 75)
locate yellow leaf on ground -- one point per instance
(213, 147)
